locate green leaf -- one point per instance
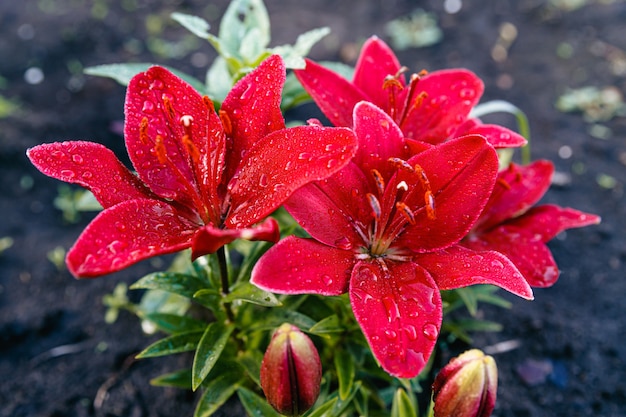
(176, 379)
(293, 55)
(217, 391)
(243, 22)
(122, 73)
(273, 318)
(182, 284)
(255, 405)
(182, 342)
(330, 324)
(345, 372)
(323, 409)
(402, 405)
(196, 25)
(251, 362)
(252, 294)
(219, 80)
(209, 350)
(469, 299)
(173, 323)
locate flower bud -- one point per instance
(466, 386)
(291, 371)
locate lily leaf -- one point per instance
(181, 284)
(209, 350)
(344, 365)
(182, 342)
(248, 292)
(173, 323)
(293, 54)
(196, 25)
(255, 405)
(176, 379)
(217, 391)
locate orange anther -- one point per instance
(143, 131)
(226, 123)
(380, 182)
(159, 149)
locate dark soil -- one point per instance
(59, 357)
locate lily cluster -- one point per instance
(402, 198)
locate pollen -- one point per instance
(429, 199)
(143, 131)
(159, 149)
(380, 182)
(228, 126)
(406, 212)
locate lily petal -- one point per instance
(303, 266)
(379, 139)
(450, 96)
(517, 189)
(282, 162)
(253, 108)
(398, 307)
(168, 130)
(466, 182)
(334, 95)
(209, 239)
(92, 166)
(127, 233)
(457, 267)
(549, 220)
(339, 198)
(524, 249)
(376, 62)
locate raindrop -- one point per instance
(328, 280)
(263, 180)
(497, 264)
(331, 163)
(58, 154)
(391, 334)
(467, 93)
(392, 308)
(148, 107)
(247, 94)
(68, 173)
(505, 136)
(430, 331)
(87, 175)
(411, 332)
(343, 243)
(77, 159)
(120, 226)
(157, 85)
(305, 156)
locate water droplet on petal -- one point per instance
(331, 163)
(68, 173)
(467, 93)
(305, 156)
(263, 180)
(77, 159)
(328, 280)
(430, 331)
(391, 334)
(87, 175)
(157, 85)
(120, 226)
(343, 243)
(497, 264)
(411, 332)
(392, 308)
(148, 107)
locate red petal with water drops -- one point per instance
(398, 307)
(167, 155)
(282, 162)
(253, 108)
(461, 173)
(91, 165)
(209, 239)
(375, 63)
(498, 136)
(524, 249)
(126, 234)
(450, 96)
(334, 95)
(332, 210)
(379, 139)
(549, 220)
(517, 189)
(303, 266)
(457, 267)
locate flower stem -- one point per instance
(221, 260)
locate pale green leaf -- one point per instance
(196, 25)
(330, 324)
(293, 55)
(402, 405)
(176, 379)
(209, 350)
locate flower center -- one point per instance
(401, 111)
(394, 207)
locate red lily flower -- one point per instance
(510, 225)
(429, 108)
(205, 178)
(373, 222)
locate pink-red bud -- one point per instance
(291, 371)
(466, 386)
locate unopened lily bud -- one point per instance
(466, 386)
(291, 371)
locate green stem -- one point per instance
(221, 260)
(523, 126)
